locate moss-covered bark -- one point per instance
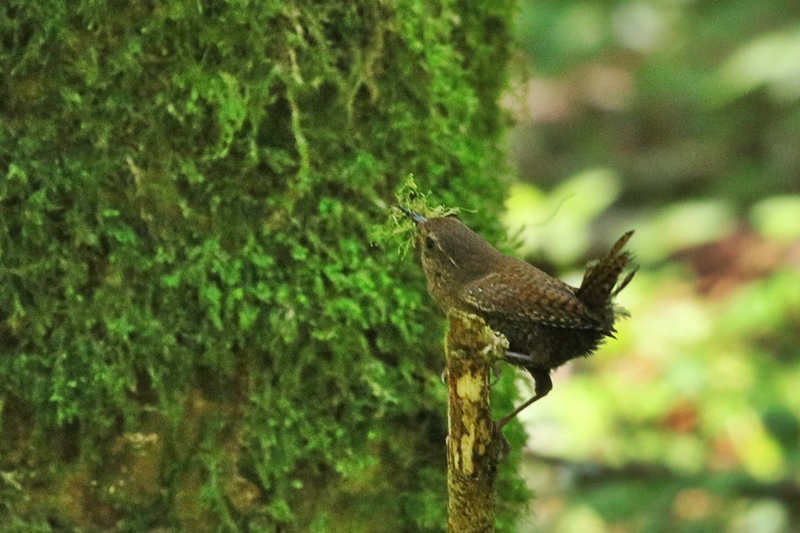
(197, 331)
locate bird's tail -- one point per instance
(600, 281)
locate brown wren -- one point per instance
(546, 321)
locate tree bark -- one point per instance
(474, 443)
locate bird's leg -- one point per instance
(543, 386)
(519, 359)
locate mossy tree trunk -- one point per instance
(197, 329)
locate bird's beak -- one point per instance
(416, 217)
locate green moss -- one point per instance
(188, 196)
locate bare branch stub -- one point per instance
(474, 443)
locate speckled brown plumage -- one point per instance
(546, 321)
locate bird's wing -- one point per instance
(554, 305)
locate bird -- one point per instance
(546, 321)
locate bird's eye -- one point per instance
(429, 243)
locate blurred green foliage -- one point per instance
(680, 120)
(198, 328)
(682, 99)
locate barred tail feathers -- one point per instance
(601, 276)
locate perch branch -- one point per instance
(474, 443)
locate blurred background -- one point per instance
(678, 119)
